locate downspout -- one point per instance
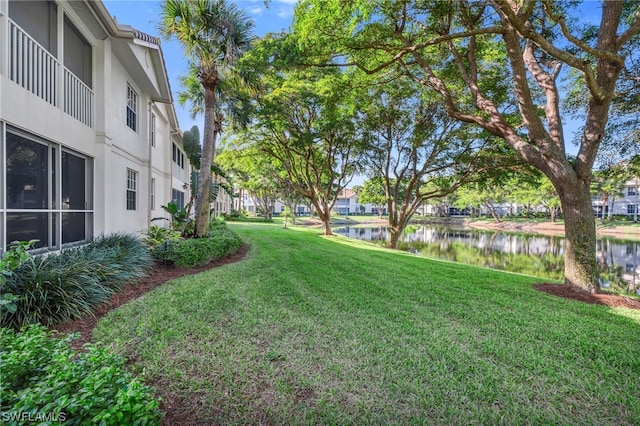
(149, 165)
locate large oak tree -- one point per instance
(464, 50)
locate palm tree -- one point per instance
(214, 34)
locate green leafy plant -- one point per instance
(10, 261)
(157, 235)
(69, 284)
(42, 374)
(235, 214)
(286, 213)
(180, 219)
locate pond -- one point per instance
(531, 254)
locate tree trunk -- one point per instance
(206, 160)
(394, 237)
(580, 265)
(493, 212)
(613, 204)
(603, 216)
(324, 214)
(326, 223)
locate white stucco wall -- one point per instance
(110, 144)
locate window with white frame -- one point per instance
(132, 108)
(152, 191)
(48, 192)
(132, 189)
(178, 197)
(152, 133)
(178, 156)
(633, 190)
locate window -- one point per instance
(48, 192)
(132, 189)
(27, 177)
(631, 209)
(77, 53)
(132, 107)
(178, 156)
(152, 132)
(178, 198)
(633, 190)
(39, 19)
(152, 190)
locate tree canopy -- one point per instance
(497, 65)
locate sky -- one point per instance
(144, 15)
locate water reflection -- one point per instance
(532, 254)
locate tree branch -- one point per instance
(524, 29)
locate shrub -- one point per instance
(234, 214)
(158, 235)
(42, 376)
(249, 219)
(623, 217)
(9, 262)
(190, 253)
(61, 286)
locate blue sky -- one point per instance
(143, 15)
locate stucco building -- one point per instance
(89, 139)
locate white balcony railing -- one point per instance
(78, 99)
(31, 66)
(36, 70)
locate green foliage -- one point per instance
(180, 220)
(287, 214)
(56, 287)
(127, 250)
(42, 374)
(236, 216)
(193, 252)
(191, 144)
(10, 261)
(157, 235)
(373, 192)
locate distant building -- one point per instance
(627, 203)
(89, 139)
(347, 203)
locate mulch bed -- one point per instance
(602, 298)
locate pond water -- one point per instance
(531, 254)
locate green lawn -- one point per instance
(326, 330)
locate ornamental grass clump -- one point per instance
(45, 379)
(56, 287)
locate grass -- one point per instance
(326, 330)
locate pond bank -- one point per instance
(629, 231)
(624, 232)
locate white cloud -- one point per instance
(256, 11)
(285, 13)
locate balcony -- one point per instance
(36, 70)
